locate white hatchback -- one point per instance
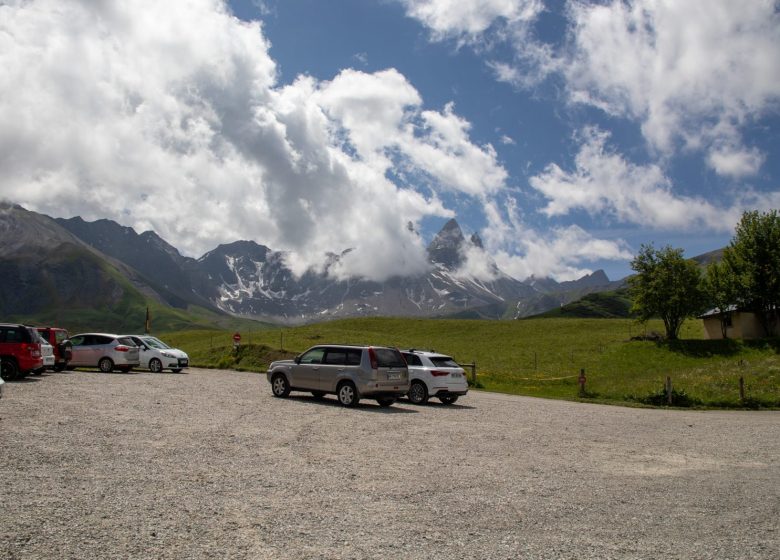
(157, 356)
(434, 375)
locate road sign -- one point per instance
(237, 337)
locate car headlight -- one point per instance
(167, 354)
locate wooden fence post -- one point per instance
(668, 390)
(741, 389)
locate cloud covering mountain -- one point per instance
(175, 117)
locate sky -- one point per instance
(565, 133)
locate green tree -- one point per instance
(667, 286)
(753, 257)
(721, 288)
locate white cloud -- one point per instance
(735, 161)
(168, 116)
(676, 66)
(605, 184)
(559, 252)
(467, 19)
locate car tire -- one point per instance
(155, 365)
(384, 403)
(8, 370)
(449, 400)
(347, 394)
(106, 365)
(318, 395)
(280, 386)
(418, 393)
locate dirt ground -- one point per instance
(210, 465)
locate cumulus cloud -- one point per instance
(169, 116)
(681, 68)
(604, 184)
(467, 19)
(559, 252)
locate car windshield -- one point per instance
(155, 343)
(443, 361)
(389, 357)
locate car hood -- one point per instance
(281, 363)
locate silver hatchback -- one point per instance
(349, 372)
(104, 351)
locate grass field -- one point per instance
(537, 357)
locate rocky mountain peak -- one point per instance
(446, 247)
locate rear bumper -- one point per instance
(450, 393)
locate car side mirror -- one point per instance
(297, 360)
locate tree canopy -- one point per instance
(667, 286)
(752, 259)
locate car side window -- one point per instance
(102, 340)
(336, 356)
(313, 356)
(353, 356)
(413, 360)
(78, 341)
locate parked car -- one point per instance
(47, 354)
(349, 372)
(2, 387)
(157, 356)
(104, 351)
(434, 375)
(20, 351)
(58, 338)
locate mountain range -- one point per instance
(50, 263)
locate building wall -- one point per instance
(744, 325)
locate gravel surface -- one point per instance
(210, 465)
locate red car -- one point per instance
(58, 338)
(20, 351)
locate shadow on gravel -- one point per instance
(366, 405)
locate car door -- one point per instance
(333, 368)
(306, 370)
(79, 350)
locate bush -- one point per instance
(660, 398)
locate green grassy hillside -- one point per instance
(537, 357)
(604, 305)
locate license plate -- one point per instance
(183, 362)
(394, 376)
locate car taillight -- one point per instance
(372, 358)
(33, 349)
(122, 348)
(439, 373)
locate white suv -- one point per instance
(434, 375)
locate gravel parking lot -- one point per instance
(210, 465)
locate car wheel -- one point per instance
(280, 386)
(177, 370)
(8, 370)
(318, 394)
(347, 394)
(448, 400)
(155, 365)
(384, 403)
(418, 393)
(106, 365)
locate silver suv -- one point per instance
(349, 372)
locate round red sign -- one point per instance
(237, 337)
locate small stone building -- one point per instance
(739, 324)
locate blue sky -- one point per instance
(566, 134)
